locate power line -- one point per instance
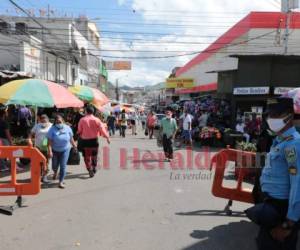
(188, 54)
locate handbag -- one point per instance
(79, 145)
(44, 146)
(74, 157)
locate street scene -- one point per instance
(131, 124)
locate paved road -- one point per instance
(127, 209)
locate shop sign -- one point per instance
(251, 91)
(118, 65)
(179, 83)
(281, 90)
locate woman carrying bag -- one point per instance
(60, 140)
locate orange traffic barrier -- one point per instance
(243, 161)
(12, 153)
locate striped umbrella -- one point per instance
(39, 93)
(91, 95)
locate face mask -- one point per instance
(59, 125)
(44, 125)
(277, 124)
(169, 116)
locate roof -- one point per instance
(266, 55)
(251, 21)
(222, 71)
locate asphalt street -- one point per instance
(134, 203)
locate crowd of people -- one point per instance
(56, 139)
(57, 133)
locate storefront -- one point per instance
(257, 78)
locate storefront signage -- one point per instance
(281, 90)
(251, 91)
(118, 65)
(179, 83)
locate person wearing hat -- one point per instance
(168, 130)
(278, 213)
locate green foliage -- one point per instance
(246, 146)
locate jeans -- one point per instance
(143, 125)
(111, 129)
(123, 130)
(60, 159)
(168, 147)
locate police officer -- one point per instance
(279, 212)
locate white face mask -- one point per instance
(44, 124)
(277, 124)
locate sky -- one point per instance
(138, 30)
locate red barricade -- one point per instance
(243, 161)
(12, 153)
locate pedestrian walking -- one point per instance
(111, 124)
(278, 214)
(168, 130)
(60, 140)
(143, 119)
(24, 121)
(89, 130)
(187, 128)
(133, 121)
(123, 122)
(151, 122)
(39, 133)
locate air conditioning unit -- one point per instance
(5, 27)
(21, 28)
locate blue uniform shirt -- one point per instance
(60, 138)
(281, 175)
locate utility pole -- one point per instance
(286, 8)
(117, 89)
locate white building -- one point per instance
(26, 53)
(65, 46)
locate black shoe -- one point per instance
(91, 173)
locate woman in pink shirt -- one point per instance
(151, 122)
(89, 129)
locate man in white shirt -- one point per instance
(187, 128)
(240, 127)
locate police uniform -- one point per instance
(280, 184)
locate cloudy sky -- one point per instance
(152, 33)
(184, 27)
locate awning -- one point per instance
(200, 88)
(14, 74)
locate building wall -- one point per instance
(255, 41)
(9, 55)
